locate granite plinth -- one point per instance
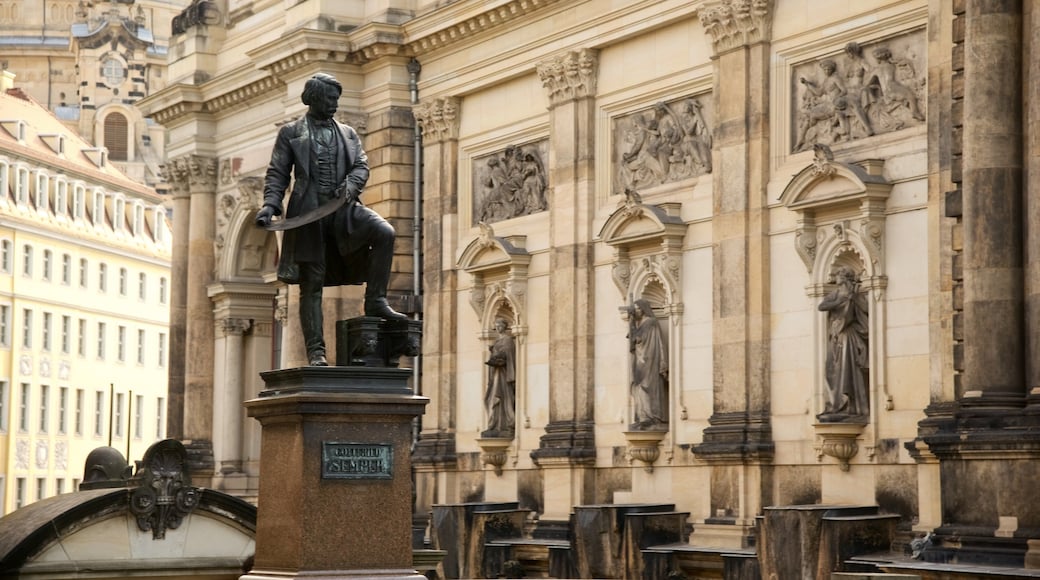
(335, 496)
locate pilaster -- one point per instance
(738, 443)
(434, 455)
(570, 80)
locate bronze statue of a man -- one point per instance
(330, 239)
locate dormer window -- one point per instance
(42, 191)
(98, 213)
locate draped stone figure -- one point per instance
(847, 351)
(500, 398)
(649, 368)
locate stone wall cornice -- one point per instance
(463, 20)
(182, 101)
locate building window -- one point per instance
(118, 418)
(138, 225)
(66, 334)
(41, 488)
(121, 344)
(19, 492)
(114, 73)
(78, 416)
(116, 136)
(160, 418)
(103, 277)
(140, 347)
(59, 485)
(81, 338)
(98, 213)
(48, 260)
(79, 202)
(27, 260)
(122, 281)
(99, 413)
(162, 349)
(138, 416)
(83, 270)
(5, 325)
(46, 338)
(162, 290)
(63, 410)
(22, 186)
(43, 185)
(61, 197)
(45, 395)
(101, 340)
(142, 285)
(23, 409)
(26, 328)
(4, 406)
(5, 256)
(66, 269)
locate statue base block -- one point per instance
(335, 497)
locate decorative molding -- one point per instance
(499, 269)
(189, 173)
(163, 496)
(736, 23)
(647, 242)
(463, 29)
(570, 76)
(438, 119)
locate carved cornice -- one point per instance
(183, 100)
(235, 326)
(735, 23)
(462, 28)
(438, 119)
(570, 76)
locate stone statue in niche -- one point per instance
(500, 398)
(510, 184)
(848, 363)
(649, 368)
(668, 143)
(852, 98)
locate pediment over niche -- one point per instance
(490, 252)
(499, 268)
(840, 207)
(647, 241)
(827, 184)
(635, 223)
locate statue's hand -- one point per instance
(263, 217)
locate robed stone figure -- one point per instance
(649, 368)
(331, 238)
(848, 363)
(500, 398)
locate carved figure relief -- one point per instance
(851, 96)
(500, 397)
(649, 356)
(163, 494)
(511, 183)
(848, 362)
(669, 142)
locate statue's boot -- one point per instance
(311, 320)
(380, 258)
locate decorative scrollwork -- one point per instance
(162, 496)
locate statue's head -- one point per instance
(501, 325)
(643, 308)
(321, 93)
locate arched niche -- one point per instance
(647, 241)
(499, 268)
(841, 226)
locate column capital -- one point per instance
(735, 23)
(570, 76)
(190, 173)
(235, 326)
(438, 118)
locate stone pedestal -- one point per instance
(336, 491)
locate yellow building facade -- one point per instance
(84, 294)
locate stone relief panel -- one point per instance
(866, 90)
(511, 183)
(668, 142)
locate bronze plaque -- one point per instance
(356, 460)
